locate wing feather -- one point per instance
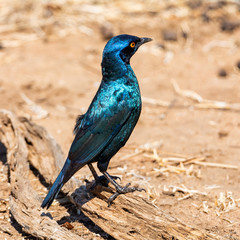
(93, 137)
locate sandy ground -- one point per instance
(61, 76)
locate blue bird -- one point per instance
(109, 120)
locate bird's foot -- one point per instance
(123, 190)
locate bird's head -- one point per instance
(123, 46)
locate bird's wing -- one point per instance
(96, 133)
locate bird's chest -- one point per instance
(119, 97)
(128, 97)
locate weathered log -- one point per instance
(129, 217)
(45, 154)
(24, 201)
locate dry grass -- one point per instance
(173, 163)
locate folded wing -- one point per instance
(96, 132)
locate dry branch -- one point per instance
(129, 217)
(202, 103)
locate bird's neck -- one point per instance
(113, 67)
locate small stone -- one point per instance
(161, 45)
(194, 4)
(205, 17)
(222, 73)
(222, 134)
(107, 31)
(169, 35)
(228, 25)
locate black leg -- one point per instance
(94, 173)
(119, 189)
(100, 179)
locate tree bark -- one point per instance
(129, 217)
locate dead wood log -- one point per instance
(45, 154)
(24, 200)
(129, 217)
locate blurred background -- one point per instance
(50, 55)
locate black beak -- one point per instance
(144, 40)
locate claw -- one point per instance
(123, 190)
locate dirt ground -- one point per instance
(62, 74)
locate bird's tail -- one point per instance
(57, 185)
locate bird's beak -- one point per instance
(145, 40)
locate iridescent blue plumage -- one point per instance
(110, 118)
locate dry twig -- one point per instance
(200, 102)
(156, 102)
(172, 190)
(204, 103)
(225, 203)
(219, 165)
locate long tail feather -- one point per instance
(57, 185)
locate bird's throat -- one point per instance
(113, 69)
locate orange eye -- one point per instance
(132, 44)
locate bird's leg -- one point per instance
(100, 179)
(119, 189)
(94, 173)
